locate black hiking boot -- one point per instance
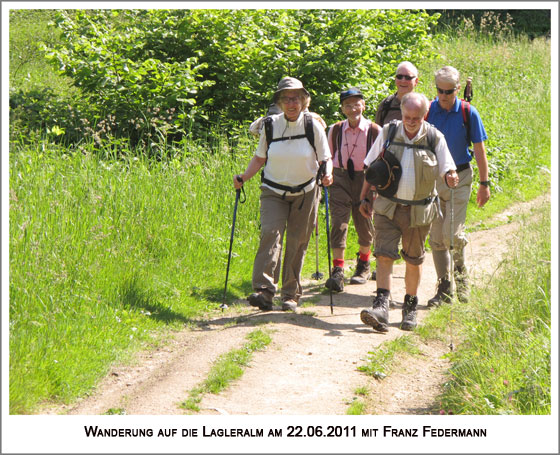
(336, 281)
(261, 301)
(361, 273)
(443, 293)
(462, 283)
(409, 312)
(378, 315)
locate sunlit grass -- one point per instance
(227, 368)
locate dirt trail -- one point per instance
(311, 365)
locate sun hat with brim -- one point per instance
(350, 93)
(288, 83)
(384, 174)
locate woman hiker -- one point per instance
(290, 159)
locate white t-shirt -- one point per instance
(292, 162)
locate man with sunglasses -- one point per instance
(406, 79)
(349, 142)
(446, 114)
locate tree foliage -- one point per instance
(203, 67)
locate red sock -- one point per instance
(365, 257)
(338, 263)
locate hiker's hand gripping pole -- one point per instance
(237, 195)
(323, 181)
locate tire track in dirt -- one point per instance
(311, 365)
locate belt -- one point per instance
(463, 166)
(406, 203)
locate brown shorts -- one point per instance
(389, 232)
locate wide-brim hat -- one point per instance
(288, 83)
(384, 174)
(348, 93)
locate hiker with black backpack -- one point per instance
(292, 146)
(349, 142)
(403, 166)
(461, 125)
(406, 79)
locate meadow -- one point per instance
(110, 252)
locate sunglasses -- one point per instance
(447, 92)
(403, 76)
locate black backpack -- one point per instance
(385, 171)
(386, 107)
(307, 124)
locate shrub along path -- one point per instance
(311, 365)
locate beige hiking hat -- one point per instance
(288, 83)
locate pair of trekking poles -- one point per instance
(317, 275)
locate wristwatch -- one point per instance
(485, 183)
(366, 200)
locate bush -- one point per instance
(220, 67)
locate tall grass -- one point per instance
(511, 83)
(109, 250)
(503, 363)
(102, 253)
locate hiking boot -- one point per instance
(462, 284)
(259, 300)
(336, 281)
(443, 293)
(361, 273)
(378, 315)
(409, 312)
(289, 305)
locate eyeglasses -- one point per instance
(290, 99)
(404, 76)
(447, 92)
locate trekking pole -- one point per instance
(237, 194)
(452, 267)
(328, 240)
(317, 275)
(320, 174)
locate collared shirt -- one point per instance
(407, 182)
(354, 144)
(293, 162)
(450, 123)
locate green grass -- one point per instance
(106, 254)
(109, 253)
(226, 369)
(502, 365)
(381, 361)
(511, 83)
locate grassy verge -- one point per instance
(502, 339)
(226, 369)
(107, 255)
(502, 364)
